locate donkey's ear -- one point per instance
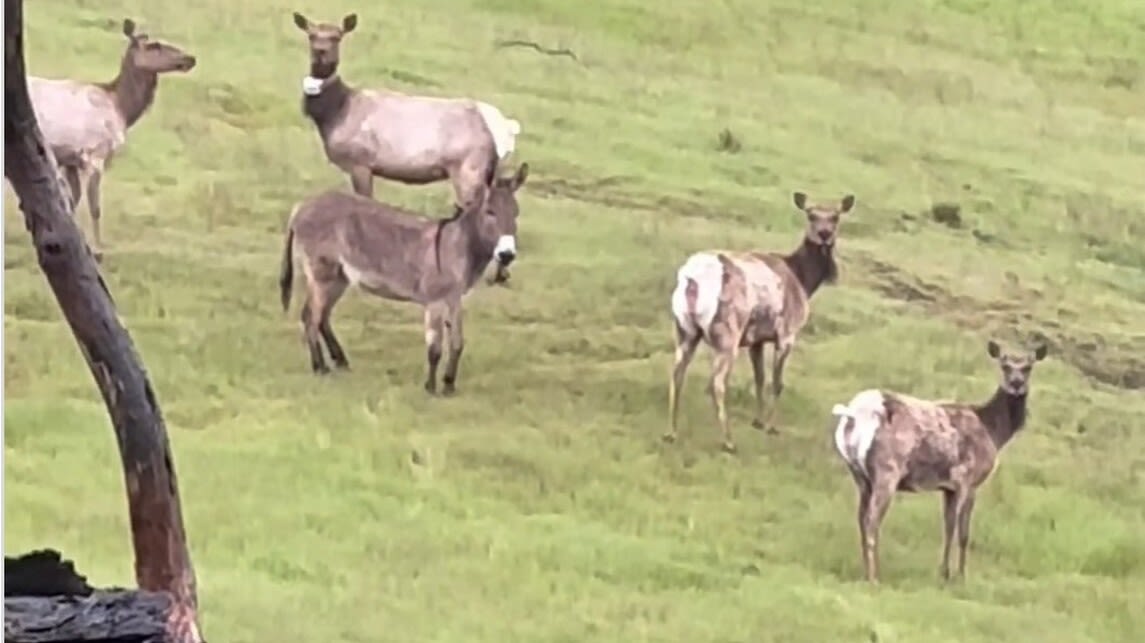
(301, 22)
(129, 27)
(349, 22)
(520, 176)
(1040, 352)
(846, 204)
(993, 349)
(799, 199)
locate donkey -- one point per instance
(349, 239)
(893, 442)
(734, 300)
(85, 124)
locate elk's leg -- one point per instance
(755, 352)
(864, 487)
(783, 348)
(882, 492)
(949, 524)
(434, 331)
(94, 210)
(721, 368)
(456, 346)
(310, 333)
(362, 180)
(964, 510)
(685, 350)
(72, 176)
(334, 291)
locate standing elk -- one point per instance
(893, 442)
(410, 139)
(346, 239)
(734, 300)
(85, 124)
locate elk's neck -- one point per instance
(813, 265)
(326, 108)
(1003, 416)
(133, 91)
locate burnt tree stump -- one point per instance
(162, 562)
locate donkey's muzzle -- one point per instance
(506, 257)
(506, 250)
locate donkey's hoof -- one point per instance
(321, 370)
(430, 387)
(448, 389)
(342, 365)
(758, 424)
(729, 447)
(668, 438)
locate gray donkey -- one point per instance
(733, 300)
(346, 239)
(410, 139)
(85, 124)
(893, 442)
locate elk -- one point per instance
(733, 300)
(85, 124)
(414, 140)
(347, 239)
(892, 442)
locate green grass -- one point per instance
(543, 507)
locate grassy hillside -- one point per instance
(539, 504)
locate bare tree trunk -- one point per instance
(162, 562)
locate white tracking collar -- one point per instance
(312, 86)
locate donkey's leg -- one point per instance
(434, 331)
(964, 510)
(94, 209)
(755, 352)
(334, 291)
(456, 346)
(685, 350)
(362, 180)
(310, 333)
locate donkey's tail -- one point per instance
(286, 270)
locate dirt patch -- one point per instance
(1118, 362)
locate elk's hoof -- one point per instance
(758, 424)
(97, 255)
(668, 438)
(729, 447)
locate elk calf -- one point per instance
(893, 442)
(85, 124)
(733, 300)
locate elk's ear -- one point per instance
(301, 22)
(129, 27)
(993, 349)
(1040, 352)
(847, 203)
(519, 178)
(349, 23)
(799, 199)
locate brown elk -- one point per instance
(893, 442)
(733, 300)
(347, 239)
(400, 137)
(85, 124)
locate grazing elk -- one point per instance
(85, 124)
(734, 300)
(346, 239)
(893, 442)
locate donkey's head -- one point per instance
(324, 41)
(153, 56)
(823, 219)
(1016, 368)
(497, 219)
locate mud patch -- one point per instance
(1115, 361)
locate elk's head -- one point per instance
(325, 39)
(823, 219)
(154, 56)
(1016, 368)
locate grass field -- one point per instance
(539, 504)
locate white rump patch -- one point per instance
(312, 86)
(705, 269)
(858, 423)
(504, 130)
(507, 243)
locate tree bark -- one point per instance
(162, 562)
(106, 616)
